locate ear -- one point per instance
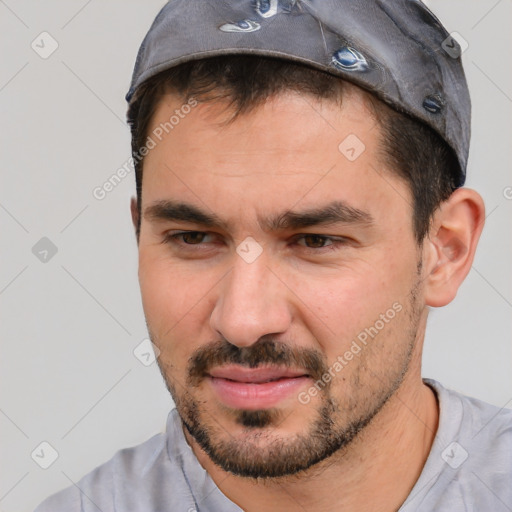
(135, 216)
(450, 248)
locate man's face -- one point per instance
(279, 348)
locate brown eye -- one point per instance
(192, 237)
(315, 241)
(319, 244)
(185, 238)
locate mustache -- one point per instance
(263, 353)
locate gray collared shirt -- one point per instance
(469, 468)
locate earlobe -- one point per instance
(452, 243)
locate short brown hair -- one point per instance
(410, 149)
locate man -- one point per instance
(300, 207)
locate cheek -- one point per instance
(343, 304)
(165, 294)
(346, 298)
(176, 301)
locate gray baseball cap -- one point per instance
(396, 49)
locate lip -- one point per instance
(254, 375)
(255, 388)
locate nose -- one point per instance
(251, 303)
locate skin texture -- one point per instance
(361, 441)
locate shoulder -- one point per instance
(471, 460)
(475, 418)
(486, 434)
(129, 468)
(483, 429)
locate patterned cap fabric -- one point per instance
(396, 49)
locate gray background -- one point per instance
(70, 324)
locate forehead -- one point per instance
(292, 148)
(287, 127)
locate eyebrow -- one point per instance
(335, 212)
